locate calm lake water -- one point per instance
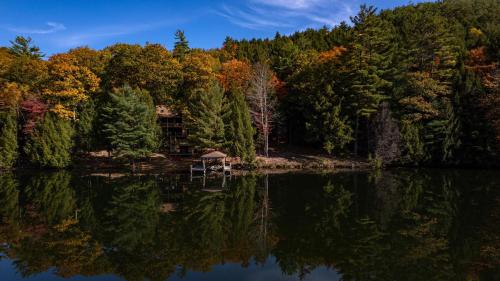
(391, 225)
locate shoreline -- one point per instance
(164, 164)
(283, 162)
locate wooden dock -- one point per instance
(212, 156)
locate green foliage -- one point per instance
(85, 133)
(394, 225)
(51, 143)
(336, 132)
(150, 67)
(324, 119)
(129, 124)
(53, 195)
(375, 161)
(22, 46)
(238, 127)
(181, 45)
(9, 198)
(414, 148)
(8, 139)
(433, 64)
(206, 125)
(369, 61)
(451, 142)
(132, 216)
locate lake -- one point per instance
(387, 225)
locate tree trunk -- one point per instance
(356, 135)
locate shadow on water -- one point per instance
(390, 225)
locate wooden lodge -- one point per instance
(174, 131)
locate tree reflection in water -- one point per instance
(393, 225)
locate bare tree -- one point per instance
(262, 100)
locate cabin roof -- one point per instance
(165, 111)
(214, 155)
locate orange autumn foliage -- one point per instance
(331, 54)
(278, 86)
(487, 69)
(235, 74)
(479, 63)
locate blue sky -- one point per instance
(58, 25)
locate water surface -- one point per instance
(391, 225)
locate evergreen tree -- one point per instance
(181, 46)
(430, 53)
(50, 144)
(452, 140)
(9, 198)
(8, 139)
(129, 124)
(324, 118)
(206, 126)
(22, 46)
(338, 132)
(238, 127)
(84, 127)
(413, 146)
(369, 60)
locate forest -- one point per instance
(414, 85)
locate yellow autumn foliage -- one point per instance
(69, 84)
(61, 111)
(11, 94)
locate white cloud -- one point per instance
(264, 14)
(291, 4)
(103, 32)
(251, 19)
(51, 27)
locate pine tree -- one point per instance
(51, 142)
(413, 146)
(338, 132)
(181, 46)
(368, 64)
(8, 139)
(238, 127)
(9, 198)
(84, 127)
(206, 126)
(129, 124)
(22, 46)
(451, 142)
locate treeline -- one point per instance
(87, 100)
(418, 84)
(415, 85)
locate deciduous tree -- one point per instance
(262, 100)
